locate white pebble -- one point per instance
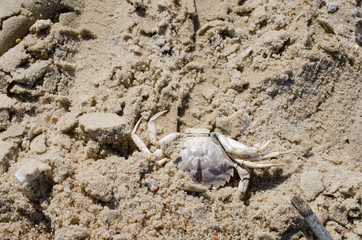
(30, 170)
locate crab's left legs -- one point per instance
(238, 149)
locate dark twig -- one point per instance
(312, 220)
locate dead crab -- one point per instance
(209, 158)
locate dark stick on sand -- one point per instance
(312, 220)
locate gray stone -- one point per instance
(105, 128)
(332, 7)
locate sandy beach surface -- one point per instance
(76, 76)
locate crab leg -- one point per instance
(162, 162)
(245, 175)
(244, 180)
(137, 140)
(152, 130)
(158, 153)
(168, 138)
(267, 155)
(261, 145)
(256, 165)
(238, 149)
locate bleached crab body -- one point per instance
(210, 158)
(205, 160)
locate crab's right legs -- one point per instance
(240, 150)
(156, 155)
(244, 180)
(236, 148)
(267, 155)
(256, 165)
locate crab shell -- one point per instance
(203, 157)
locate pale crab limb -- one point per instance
(157, 154)
(137, 140)
(152, 130)
(244, 180)
(268, 155)
(236, 148)
(166, 140)
(162, 162)
(169, 138)
(256, 165)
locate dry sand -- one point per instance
(286, 70)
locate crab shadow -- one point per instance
(265, 179)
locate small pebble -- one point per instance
(332, 7)
(214, 237)
(323, 216)
(154, 188)
(38, 144)
(152, 184)
(198, 188)
(30, 170)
